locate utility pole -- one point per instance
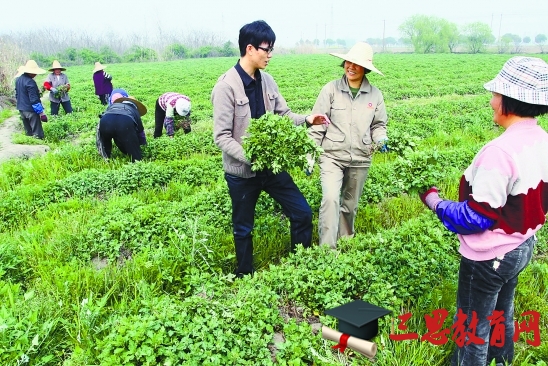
(332, 37)
(500, 43)
(383, 29)
(325, 36)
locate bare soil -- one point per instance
(9, 150)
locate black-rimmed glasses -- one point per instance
(267, 50)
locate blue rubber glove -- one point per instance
(384, 147)
(53, 90)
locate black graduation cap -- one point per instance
(358, 318)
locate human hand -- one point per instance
(43, 117)
(384, 147)
(318, 119)
(431, 198)
(53, 90)
(142, 138)
(310, 167)
(186, 126)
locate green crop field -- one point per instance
(114, 263)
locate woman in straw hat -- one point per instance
(122, 123)
(503, 201)
(102, 82)
(28, 100)
(58, 85)
(358, 124)
(168, 106)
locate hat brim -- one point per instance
(55, 68)
(367, 65)
(99, 69)
(29, 70)
(523, 95)
(140, 106)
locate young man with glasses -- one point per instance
(242, 93)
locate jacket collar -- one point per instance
(342, 85)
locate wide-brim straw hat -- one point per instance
(19, 72)
(31, 67)
(98, 67)
(140, 106)
(360, 54)
(56, 65)
(524, 79)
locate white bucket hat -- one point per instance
(182, 106)
(360, 54)
(524, 79)
(98, 67)
(31, 67)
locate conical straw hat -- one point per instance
(56, 65)
(31, 67)
(98, 67)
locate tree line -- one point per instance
(136, 53)
(430, 34)
(81, 47)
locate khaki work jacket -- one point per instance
(357, 124)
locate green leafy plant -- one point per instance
(419, 171)
(275, 143)
(61, 91)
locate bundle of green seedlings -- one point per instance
(273, 142)
(61, 91)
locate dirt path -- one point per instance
(8, 150)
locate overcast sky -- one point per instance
(291, 20)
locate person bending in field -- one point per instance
(102, 82)
(503, 201)
(169, 108)
(58, 85)
(242, 93)
(122, 123)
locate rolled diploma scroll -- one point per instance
(364, 347)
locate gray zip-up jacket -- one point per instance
(231, 116)
(55, 81)
(356, 123)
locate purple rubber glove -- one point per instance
(431, 198)
(43, 118)
(142, 138)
